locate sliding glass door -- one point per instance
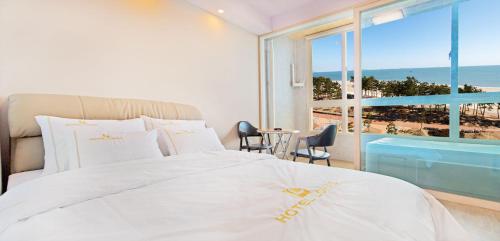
(332, 91)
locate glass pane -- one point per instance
(350, 117)
(480, 121)
(327, 67)
(323, 116)
(350, 65)
(406, 47)
(405, 51)
(479, 38)
(409, 120)
(326, 89)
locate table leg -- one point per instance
(278, 143)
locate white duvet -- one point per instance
(221, 196)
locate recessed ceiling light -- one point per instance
(220, 11)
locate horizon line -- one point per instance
(492, 65)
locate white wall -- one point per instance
(284, 94)
(149, 49)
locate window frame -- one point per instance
(454, 99)
(354, 13)
(344, 103)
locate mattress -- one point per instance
(222, 196)
(22, 177)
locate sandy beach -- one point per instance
(477, 121)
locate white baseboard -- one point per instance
(476, 202)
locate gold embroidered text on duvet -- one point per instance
(307, 198)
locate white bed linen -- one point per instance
(221, 196)
(22, 177)
(92, 148)
(55, 131)
(162, 124)
(180, 141)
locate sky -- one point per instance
(420, 41)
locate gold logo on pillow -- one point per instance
(106, 137)
(81, 123)
(307, 198)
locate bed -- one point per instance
(220, 195)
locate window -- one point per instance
(428, 54)
(431, 70)
(479, 38)
(405, 61)
(408, 56)
(407, 120)
(324, 88)
(326, 116)
(479, 69)
(332, 87)
(327, 62)
(350, 119)
(480, 121)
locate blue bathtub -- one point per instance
(461, 168)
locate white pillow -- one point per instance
(92, 148)
(181, 141)
(55, 131)
(161, 125)
(153, 123)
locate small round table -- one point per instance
(284, 136)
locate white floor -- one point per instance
(482, 224)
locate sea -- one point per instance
(483, 76)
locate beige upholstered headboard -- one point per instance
(25, 147)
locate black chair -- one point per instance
(324, 139)
(246, 130)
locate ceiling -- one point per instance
(276, 7)
(264, 16)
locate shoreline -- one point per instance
(486, 89)
(480, 75)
